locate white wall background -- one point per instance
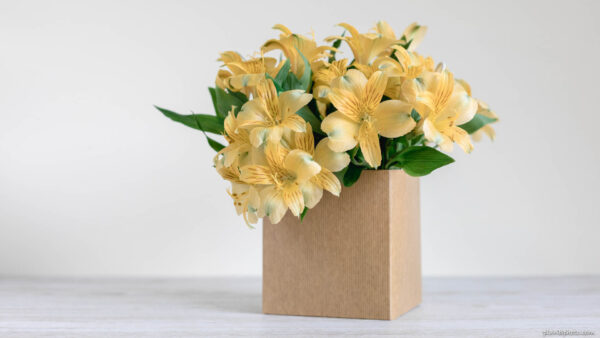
(94, 181)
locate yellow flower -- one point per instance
(239, 142)
(285, 179)
(290, 43)
(329, 160)
(444, 104)
(483, 109)
(246, 198)
(366, 47)
(243, 75)
(410, 65)
(323, 78)
(266, 116)
(361, 116)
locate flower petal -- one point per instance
(305, 141)
(258, 135)
(312, 194)
(292, 100)
(327, 158)
(273, 205)
(353, 81)
(328, 181)
(393, 119)
(369, 144)
(302, 165)
(253, 113)
(374, 89)
(341, 130)
(293, 198)
(256, 174)
(294, 122)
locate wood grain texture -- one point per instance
(452, 307)
(356, 256)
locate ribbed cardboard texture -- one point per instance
(356, 256)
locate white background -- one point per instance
(94, 181)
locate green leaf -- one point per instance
(213, 96)
(292, 82)
(309, 117)
(352, 174)
(225, 100)
(477, 122)
(283, 73)
(207, 123)
(277, 85)
(306, 77)
(303, 214)
(419, 160)
(336, 44)
(214, 144)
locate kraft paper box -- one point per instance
(356, 256)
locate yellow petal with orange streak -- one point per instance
(328, 181)
(374, 89)
(305, 141)
(293, 199)
(257, 174)
(369, 144)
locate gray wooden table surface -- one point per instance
(460, 307)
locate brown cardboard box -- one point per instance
(356, 256)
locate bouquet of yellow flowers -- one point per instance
(310, 121)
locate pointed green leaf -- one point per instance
(303, 214)
(277, 85)
(419, 160)
(310, 117)
(292, 82)
(476, 123)
(283, 73)
(225, 100)
(213, 96)
(207, 123)
(214, 144)
(307, 75)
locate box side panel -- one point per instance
(405, 243)
(336, 262)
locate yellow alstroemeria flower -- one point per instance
(243, 75)
(290, 43)
(267, 115)
(483, 109)
(329, 160)
(365, 47)
(246, 198)
(361, 116)
(285, 180)
(323, 78)
(239, 146)
(444, 104)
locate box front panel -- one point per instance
(336, 263)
